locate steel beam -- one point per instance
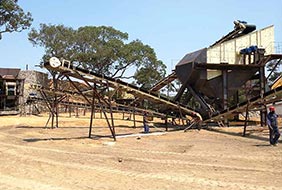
(225, 88)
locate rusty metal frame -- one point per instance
(100, 98)
(91, 79)
(272, 70)
(50, 106)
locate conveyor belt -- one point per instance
(165, 81)
(117, 107)
(241, 28)
(267, 98)
(68, 69)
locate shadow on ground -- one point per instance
(52, 139)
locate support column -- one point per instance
(91, 116)
(262, 83)
(54, 104)
(56, 101)
(49, 106)
(102, 101)
(134, 121)
(236, 98)
(76, 112)
(246, 120)
(225, 89)
(166, 124)
(198, 97)
(111, 113)
(264, 118)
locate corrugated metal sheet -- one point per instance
(8, 71)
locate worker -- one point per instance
(274, 133)
(145, 122)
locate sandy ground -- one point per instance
(32, 157)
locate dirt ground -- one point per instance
(32, 157)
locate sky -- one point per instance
(171, 27)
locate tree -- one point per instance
(12, 17)
(57, 40)
(149, 69)
(100, 49)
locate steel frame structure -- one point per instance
(93, 97)
(192, 84)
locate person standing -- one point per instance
(145, 123)
(274, 133)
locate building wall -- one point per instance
(229, 51)
(32, 80)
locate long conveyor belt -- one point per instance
(68, 69)
(267, 98)
(163, 82)
(118, 107)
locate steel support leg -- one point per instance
(91, 116)
(262, 91)
(246, 120)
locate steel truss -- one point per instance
(94, 97)
(97, 84)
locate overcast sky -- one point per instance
(172, 27)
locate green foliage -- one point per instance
(57, 40)
(100, 49)
(12, 17)
(149, 74)
(149, 69)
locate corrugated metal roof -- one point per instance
(11, 77)
(9, 71)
